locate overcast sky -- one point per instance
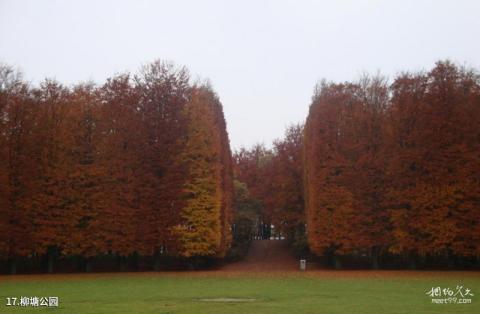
(262, 57)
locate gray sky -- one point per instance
(262, 57)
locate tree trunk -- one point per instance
(50, 259)
(191, 265)
(422, 261)
(13, 266)
(156, 260)
(412, 261)
(374, 258)
(337, 264)
(79, 262)
(88, 264)
(135, 260)
(450, 260)
(122, 262)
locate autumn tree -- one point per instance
(205, 217)
(17, 118)
(51, 221)
(397, 163)
(163, 92)
(274, 177)
(332, 223)
(122, 146)
(284, 204)
(253, 167)
(434, 163)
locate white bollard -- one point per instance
(303, 264)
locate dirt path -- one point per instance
(266, 255)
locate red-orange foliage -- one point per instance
(275, 178)
(331, 152)
(434, 163)
(104, 170)
(121, 149)
(397, 173)
(17, 118)
(163, 93)
(51, 219)
(284, 203)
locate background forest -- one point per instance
(139, 171)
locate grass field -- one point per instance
(273, 292)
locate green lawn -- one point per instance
(311, 292)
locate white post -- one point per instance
(303, 264)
